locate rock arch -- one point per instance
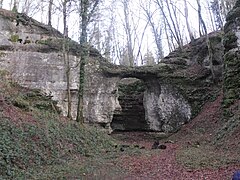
(165, 109)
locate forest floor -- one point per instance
(192, 153)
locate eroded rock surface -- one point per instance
(232, 58)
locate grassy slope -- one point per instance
(201, 146)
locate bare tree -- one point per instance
(187, 22)
(211, 17)
(157, 30)
(203, 31)
(109, 50)
(15, 5)
(27, 6)
(87, 9)
(1, 3)
(128, 31)
(226, 6)
(148, 59)
(202, 25)
(216, 9)
(172, 21)
(50, 5)
(66, 55)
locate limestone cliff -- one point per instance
(174, 90)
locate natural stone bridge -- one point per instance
(156, 98)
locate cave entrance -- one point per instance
(131, 99)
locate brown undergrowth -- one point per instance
(192, 153)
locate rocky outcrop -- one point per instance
(232, 60)
(174, 90)
(166, 109)
(231, 76)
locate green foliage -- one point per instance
(3, 74)
(197, 157)
(37, 136)
(14, 9)
(231, 83)
(2, 54)
(20, 102)
(44, 41)
(231, 126)
(14, 38)
(30, 145)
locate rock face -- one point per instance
(166, 108)
(169, 94)
(231, 76)
(100, 96)
(232, 59)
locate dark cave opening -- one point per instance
(131, 99)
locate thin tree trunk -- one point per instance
(175, 20)
(167, 23)
(66, 58)
(211, 17)
(175, 26)
(11, 4)
(26, 7)
(223, 8)
(156, 30)
(209, 46)
(15, 6)
(128, 32)
(201, 22)
(85, 15)
(50, 12)
(1, 3)
(187, 22)
(69, 97)
(167, 36)
(83, 56)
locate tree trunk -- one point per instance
(128, 31)
(173, 30)
(69, 97)
(1, 3)
(66, 58)
(50, 12)
(187, 22)
(176, 30)
(211, 17)
(201, 22)
(15, 6)
(83, 56)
